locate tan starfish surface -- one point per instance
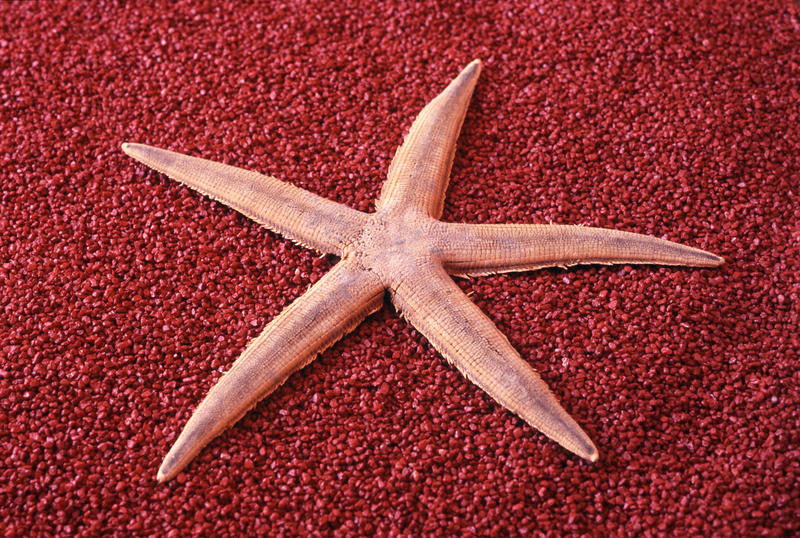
(405, 249)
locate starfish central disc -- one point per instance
(390, 241)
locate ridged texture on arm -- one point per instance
(468, 339)
(420, 170)
(479, 249)
(299, 215)
(333, 306)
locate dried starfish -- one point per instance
(405, 249)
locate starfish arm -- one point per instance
(468, 339)
(480, 249)
(299, 215)
(418, 176)
(333, 306)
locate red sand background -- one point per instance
(123, 296)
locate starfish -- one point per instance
(402, 247)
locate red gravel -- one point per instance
(123, 296)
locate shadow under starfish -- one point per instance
(404, 249)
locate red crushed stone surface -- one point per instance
(124, 296)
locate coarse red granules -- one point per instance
(124, 296)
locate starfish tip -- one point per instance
(473, 68)
(707, 259)
(169, 468)
(584, 447)
(127, 147)
(163, 475)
